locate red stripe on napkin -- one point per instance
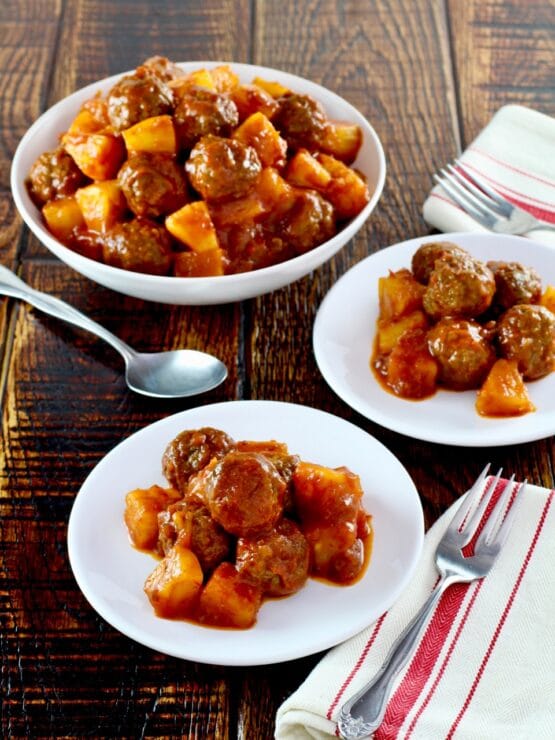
(487, 155)
(357, 666)
(503, 617)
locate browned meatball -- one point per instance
(136, 97)
(162, 67)
(526, 334)
(301, 120)
(244, 493)
(191, 451)
(222, 168)
(201, 112)
(463, 353)
(277, 561)
(307, 224)
(139, 245)
(54, 175)
(515, 284)
(153, 184)
(425, 257)
(459, 287)
(196, 530)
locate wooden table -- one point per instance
(428, 74)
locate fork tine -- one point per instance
(466, 506)
(497, 527)
(473, 522)
(476, 192)
(460, 198)
(501, 202)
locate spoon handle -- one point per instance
(11, 285)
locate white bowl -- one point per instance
(44, 135)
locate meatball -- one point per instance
(301, 120)
(278, 561)
(526, 334)
(201, 112)
(222, 168)
(463, 353)
(136, 97)
(54, 175)
(194, 526)
(515, 284)
(459, 286)
(308, 223)
(191, 451)
(139, 245)
(244, 493)
(153, 184)
(425, 257)
(162, 67)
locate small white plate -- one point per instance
(111, 573)
(344, 332)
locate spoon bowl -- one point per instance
(173, 374)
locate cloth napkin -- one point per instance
(484, 668)
(515, 155)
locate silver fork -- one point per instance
(484, 204)
(361, 715)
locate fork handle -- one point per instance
(361, 715)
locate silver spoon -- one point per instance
(172, 374)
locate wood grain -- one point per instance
(428, 74)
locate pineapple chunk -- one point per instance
(199, 264)
(85, 123)
(142, 506)
(63, 217)
(156, 135)
(347, 191)
(193, 226)
(503, 392)
(411, 370)
(98, 155)
(399, 294)
(251, 99)
(342, 141)
(548, 298)
(224, 78)
(228, 600)
(174, 585)
(257, 131)
(102, 204)
(275, 89)
(273, 190)
(304, 170)
(389, 332)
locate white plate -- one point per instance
(111, 573)
(344, 331)
(44, 135)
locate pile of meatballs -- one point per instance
(243, 521)
(209, 165)
(472, 313)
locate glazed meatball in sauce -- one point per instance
(526, 333)
(515, 284)
(460, 287)
(153, 184)
(139, 245)
(426, 256)
(200, 112)
(245, 493)
(278, 561)
(191, 451)
(463, 352)
(222, 168)
(301, 120)
(136, 97)
(54, 175)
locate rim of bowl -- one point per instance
(31, 214)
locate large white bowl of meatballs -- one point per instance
(199, 182)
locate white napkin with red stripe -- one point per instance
(484, 668)
(515, 155)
